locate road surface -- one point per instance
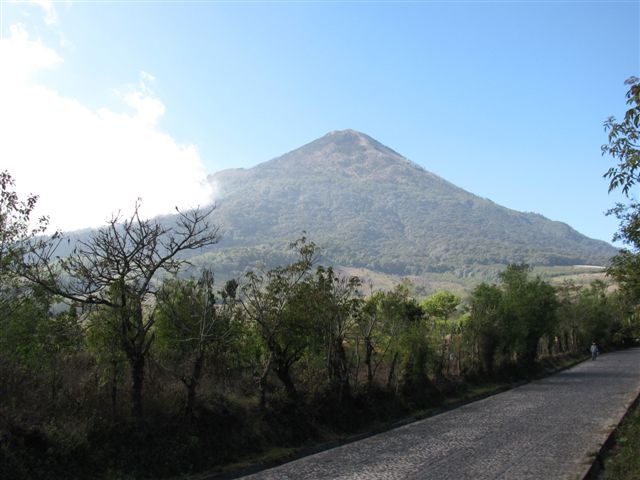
(547, 429)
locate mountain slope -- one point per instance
(369, 207)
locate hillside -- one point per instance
(368, 207)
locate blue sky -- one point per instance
(504, 99)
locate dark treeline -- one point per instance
(113, 366)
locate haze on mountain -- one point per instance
(369, 207)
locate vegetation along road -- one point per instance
(550, 428)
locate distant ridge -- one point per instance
(369, 207)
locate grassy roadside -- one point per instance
(231, 438)
(467, 393)
(622, 461)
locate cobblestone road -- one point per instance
(543, 430)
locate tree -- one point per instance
(568, 327)
(191, 323)
(34, 343)
(440, 305)
(275, 301)
(625, 268)
(624, 146)
(371, 325)
(116, 269)
(438, 309)
(484, 323)
(596, 316)
(105, 345)
(624, 142)
(16, 229)
(528, 308)
(382, 323)
(416, 350)
(333, 302)
(33, 340)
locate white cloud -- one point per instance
(20, 58)
(50, 14)
(148, 108)
(49, 11)
(87, 164)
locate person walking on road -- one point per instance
(594, 351)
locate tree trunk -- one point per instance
(440, 367)
(192, 386)
(262, 383)
(56, 381)
(368, 361)
(531, 350)
(338, 372)
(487, 352)
(284, 375)
(137, 372)
(114, 390)
(392, 370)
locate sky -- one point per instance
(105, 102)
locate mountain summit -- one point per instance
(345, 153)
(368, 206)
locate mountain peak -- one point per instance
(345, 132)
(350, 141)
(350, 134)
(343, 153)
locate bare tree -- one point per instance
(116, 268)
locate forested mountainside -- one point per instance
(369, 207)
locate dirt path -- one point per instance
(547, 429)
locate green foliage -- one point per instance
(190, 317)
(625, 268)
(275, 301)
(116, 269)
(596, 312)
(380, 323)
(440, 305)
(36, 339)
(589, 314)
(16, 229)
(528, 308)
(333, 304)
(22, 339)
(510, 320)
(16, 225)
(623, 145)
(395, 332)
(485, 326)
(309, 329)
(192, 327)
(103, 341)
(439, 309)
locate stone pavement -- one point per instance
(547, 429)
